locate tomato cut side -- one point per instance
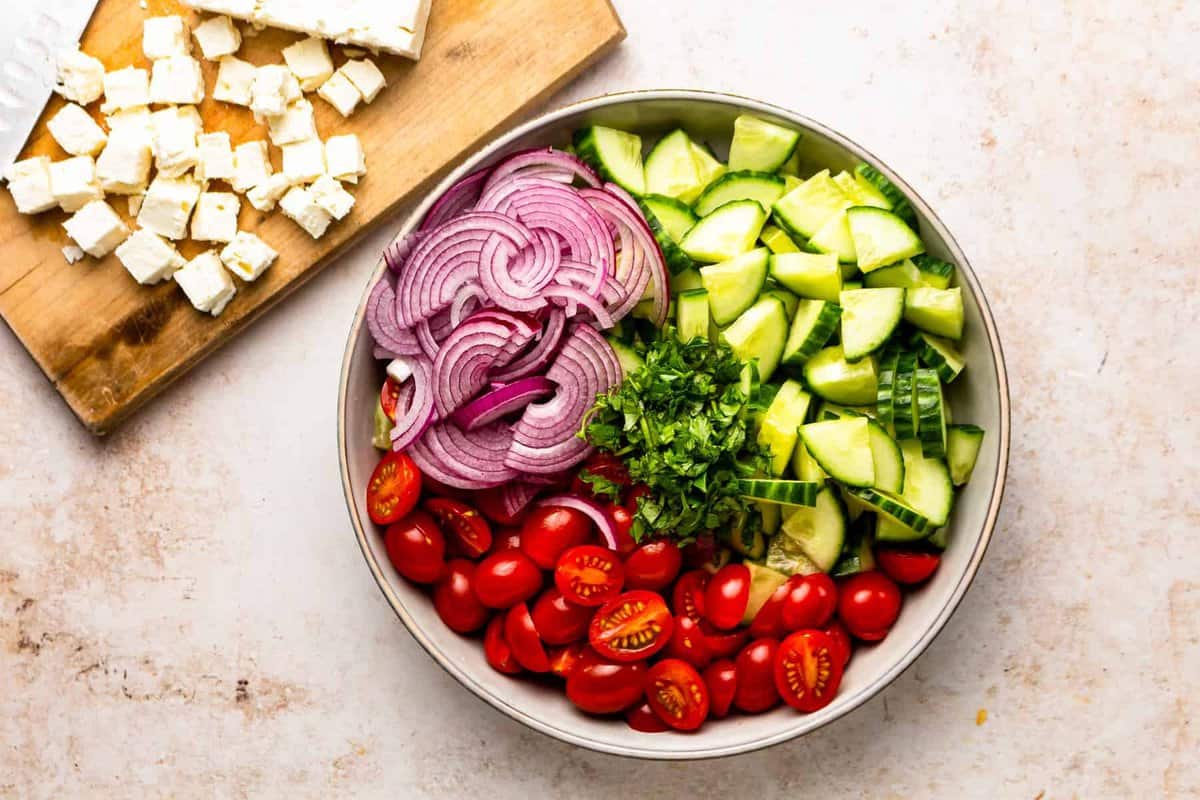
(631, 627)
(808, 670)
(558, 620)
(907, 567)
(522, 637)
(563, 660)
(642, 718)
(468, 532)
(606, 687)
(550, 530)
(677, 693)
(688, 643)
(506, 578)
(496, 649)
(721, 679)
(393, 489)
(687, 599)
(389, 395)
(454, 598)
(416, 547)
(653, 565)
(755, 667)
(810, 602)
(727, 596)
(589, 575)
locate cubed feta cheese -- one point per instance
(176, 79)
(215, 157)
(80, 78)
(235, 79)
(73, 254)
(206, 283)
(340, 93)
(309, 61)
(73, 182)
(137, 121)
(148, 257)
(124, 166)
(217, 37)
(216, 217)
(329, 195)
(168, 205)
(273, 89)
(399, 370)
(76, 131)
(251, 165)
(135, 204)
(295, 124)
(188, 115)
(248, 256)
(125, 88)
(301, 207)
(241, 9)
(365, 76)
(163, 37)
(265, 195)
(96, 228)
(344, 158)
(304, 161)
(29, 185)
(174, 142)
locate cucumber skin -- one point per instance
(927, 346)
(704, 204)
(898, 510)
(900, 205)
(934, 271)
(792, 493)
(677, 260)
(904, 417)
(585, 148)
(931, 419)
(962, 451)
(887, 385)
(896, 311)
(816, 337)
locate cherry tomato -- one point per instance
(389, 394)
(721, 680)
(869, 604)
(589, 575)
(642, 718)
(550, 530)
(724, 644)
(768, 622)
(687, 599)
(808, 670)
(604, 465)
(688, 643)
(565, 659)
(559, 621)
(755, 665)
(727, 595)
(623, 524)
(631, 627)
(677, 693)
(455, 600)
(841, 640)
(394, 488)
(491, 503)
(523, 638)
(907, 566)
(701, 553)
(416, 547)
(606, 687)
(506, 578)
(469, 532)
(635, 495)
(496, 650)
(506, 539)
(653, 565)
(810, 602)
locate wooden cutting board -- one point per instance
(109, 345)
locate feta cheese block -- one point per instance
(365, 76)
(235, 79)
(329, 195)
(217, 37)
(73, 254)
(29, 185)
(214, 155)
(76, 131)
(73, 182)
(340, 93)
(309, 61)
(251, 165)
(176, 79)
(135, 204)
(124, 166)
(344, 158)
(79, 77)
(168, 204)
(304, 161)
(265, 195)
(248, 256)
(216, 217)
(137, 121)
(295, 124)
(301, 207)
(148, 257)
(125, 88)
(274, 88)
(96, 228)
(206, 283)
(174, 140)
(163, 37)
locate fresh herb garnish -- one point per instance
(601, 486)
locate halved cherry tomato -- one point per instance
(559, 621)
(755, 665)
(604, 465)
(564, 659)
(768, 622)
(721, 680)
(496, 649)
(677, 693)
(724, 644)
(506, 539)
(907, 566)
(687, 598)
(642, 718)
(523, 638)
(549, 530)
(416, 547)
(841, 640)
(653, 565)
(455, 600)
(688, 643)
(631, 627)
(623, 524)
(606, 687)
(589, 575)
(810, 602)
(727, 595)
(389, 394)
(808, 670)
(491, 503)
(394, 488)
(506, 578)
(469, 532)
(869, 604)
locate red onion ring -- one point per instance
(544, 162)
(484, 340)
(501, 402)
(382, 322)
(604, 523)
(419, 414)
(458, 198)
(537, 358)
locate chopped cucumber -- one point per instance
(887, 459)
(850, 286)
(941, 355)
(931, 418)
(746, 537)
(899, 203)
(843, 449)
(725, 233)
(887, 384)
(771, 516)
(615, 154)
(763, 583)
(881, 237)
(762, 187)
(778, 241)
(862, 192)
(669, 220)
(785, 555)
(734, 285)
(830, 376)
(691, 315)
(791, 167)
(671, 169)
(802, 211)
(962, 451)
(707, 164)
(898, 510)
(890, 529)
(381, 436)
(827, 411)
(780, 426)
(789, 300)
(934, 271)
(759, 334)
(760, 145)
(835, 237)
(627, 357)
(819, 531)
(939, 538)
(903, 274)
(805, 466)
(686, 281)
(928, 489)
(787, 493)
(937, 311)
(814, 322)
(904, 404)
(808, 274)
(869, 316)
(857, 554)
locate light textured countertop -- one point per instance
(184, 612)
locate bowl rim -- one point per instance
(805, 723)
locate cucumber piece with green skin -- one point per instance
(931, 420)
(760, 145)
(899, 203)
(627, 357)
(665, 215)
(939, 538)
(686, 281)
(780, 426)
(770, 515)
(869, 317)
(858, 553)
(887, 384)
(887, 458)
(804, 210)
(962, 451)
(734, 285)
(850, 286)
(881, 238)
(805, 467)
(763, 187)
(381, 435)
(707, 164)
(820, 531)
(890, 529)
(899, 511)
(940, 355)
(763, 583)
(855, 508)
(785, 555)
(835, 237)
(934, 271)
(759, 334)
(691, 315)
(830, 376)
(843, 449)
(813, 275)
(903, 274)
(786, 493)
(862, 192)
(904, 407)
(671, 168)
(789, 300)
(725, 233)
(791, 167)
(812, 325)
(936, 311)
(777, 241)
(827, 411)
(928, 489)
(616, 155)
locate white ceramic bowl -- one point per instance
(980, 396)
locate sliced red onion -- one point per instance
(496, 274)
(469, 298)
(543, 204)
(416, 398)
(382, 323)
(516, 497)
(637, 246)
(458, 198)
(396, 254)
(540, 355)
(544, 162)
(571, 294)
(427, 341)
(604, 523)
(501, 402)
(466, 459)
(534, 461)
(483, 341)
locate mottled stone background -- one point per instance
(183, 611)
